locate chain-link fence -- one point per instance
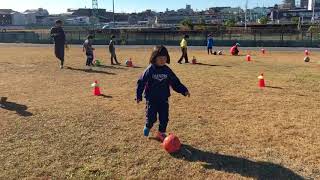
(197, 38)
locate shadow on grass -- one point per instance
(110, 67)
(123, 65)
(238, 165)
(212, 65)
(136, 67)
(274, 87)
(90, 71)
(20, 109)
(106, 96)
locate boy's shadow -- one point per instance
(20, 109)
(90, 71)
(238, 165)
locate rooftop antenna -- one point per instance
(95, 12)
(95, 7)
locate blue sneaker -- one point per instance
(146, 131)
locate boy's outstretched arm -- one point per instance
(177, 85)
(141, 85)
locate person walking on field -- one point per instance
(88, 49)
(184, 49)
(210, 44)
(59, 37)
(112, 51)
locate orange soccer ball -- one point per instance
(171, 144)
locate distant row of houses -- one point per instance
(11, 17)
(214, 15)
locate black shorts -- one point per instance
(59, 51)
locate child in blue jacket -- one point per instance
(155, 82)
(210, 44)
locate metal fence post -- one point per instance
(311, 36)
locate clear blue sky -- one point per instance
(57, 6)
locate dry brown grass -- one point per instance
(231, 129)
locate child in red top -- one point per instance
(234, 50)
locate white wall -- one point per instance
(18, 19)
(30, 18)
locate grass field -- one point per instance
(52, 127)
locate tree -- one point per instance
(295, 20)
(314, 29)
(263, 20)
(187, 23)
(230, 22)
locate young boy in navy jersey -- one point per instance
(155, 82)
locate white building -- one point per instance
(35, 16)
(82, 20)
(18, 19)
(30, 18)
(37, 12)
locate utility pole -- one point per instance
(313, 6)
(245, 15)
(114, 23)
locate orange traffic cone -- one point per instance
(248, 58)
(129, 63)
(306, 52)
(261, 81)
(96, 90)
(194, 60)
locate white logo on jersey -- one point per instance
(160, 77)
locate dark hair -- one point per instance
(58, 21)
(90, 36)
(113, 36)
(186, 36)
(159, 51)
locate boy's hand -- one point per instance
(187, 94)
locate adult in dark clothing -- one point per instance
(112, 51)
(59, 37)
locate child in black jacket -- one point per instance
(155, 83)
